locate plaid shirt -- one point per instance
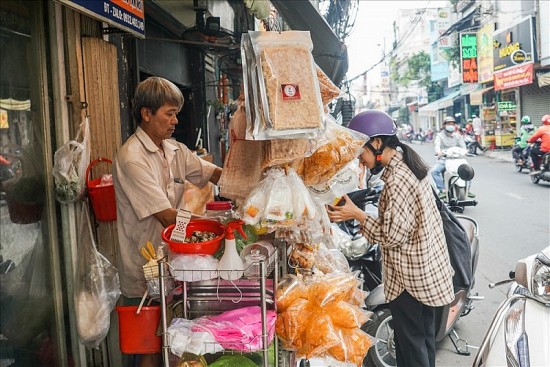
(410, 232)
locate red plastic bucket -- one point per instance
(137, 333)
(101, 197)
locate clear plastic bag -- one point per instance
(289, 289)
(97, 287)
(281, 76)
(352, 347)
(70, 163)
(344, 181)
(331, 288)
(320, 336)
(331, 260)
(254, 205)
(331, 152)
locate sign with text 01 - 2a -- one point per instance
(468, 57)
(127, 15)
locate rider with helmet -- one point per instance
(416, 265)
(447, 138)
(543, 133)
(525, 132)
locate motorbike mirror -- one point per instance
(465, 172)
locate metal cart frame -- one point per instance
(265, 268)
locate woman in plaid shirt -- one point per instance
(416, 268)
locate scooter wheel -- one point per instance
(383, 353)
(535, 179)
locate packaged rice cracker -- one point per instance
(285, 85)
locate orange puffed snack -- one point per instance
(296, 318)
(353, 346)
(332, 288)
(289, 289)
(344, 314)
(320, 336)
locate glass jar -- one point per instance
(252, 263)
(221, 211)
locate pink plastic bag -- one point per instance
(239, 329)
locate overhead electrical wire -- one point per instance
(416, 21)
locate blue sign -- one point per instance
(127, 15)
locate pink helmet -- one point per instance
(546, 119)
(373, 123)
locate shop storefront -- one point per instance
(513, 60)
(32, 311)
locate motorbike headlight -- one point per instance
(540, 283)
(517, 347)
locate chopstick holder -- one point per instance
(182, 220)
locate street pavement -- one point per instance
(500, 154)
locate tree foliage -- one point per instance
(418, 68)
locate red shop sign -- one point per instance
(515, 76)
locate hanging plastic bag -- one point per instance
(97, 287)
(70, 163)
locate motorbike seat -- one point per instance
(469, 227)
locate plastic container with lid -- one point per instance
(252, 263)
(219, 210)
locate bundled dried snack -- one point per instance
(329, 90)
(302, 255)
(241, 157)
(281, 78)
(330, 158)
(282, 151)
(291, 93)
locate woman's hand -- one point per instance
(345, 212)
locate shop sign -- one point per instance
(506, 106)
(514, 77)
(514, 46)
(443, 23)
(468, 57)
(127, 15)
(485, 53)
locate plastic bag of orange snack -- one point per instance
(352, 347)
(333, 287)
(320, 335)
(289, 289)
(344, 314)
(296, 318)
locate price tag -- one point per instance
(182, 220)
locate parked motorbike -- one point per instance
(366, 258)
(519, 334)
(456, 176)
(380, 326)
(544, 164)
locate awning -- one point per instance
(447, 101)
(476, 98)
(543, 79)
(431, 109)
(328, 51)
